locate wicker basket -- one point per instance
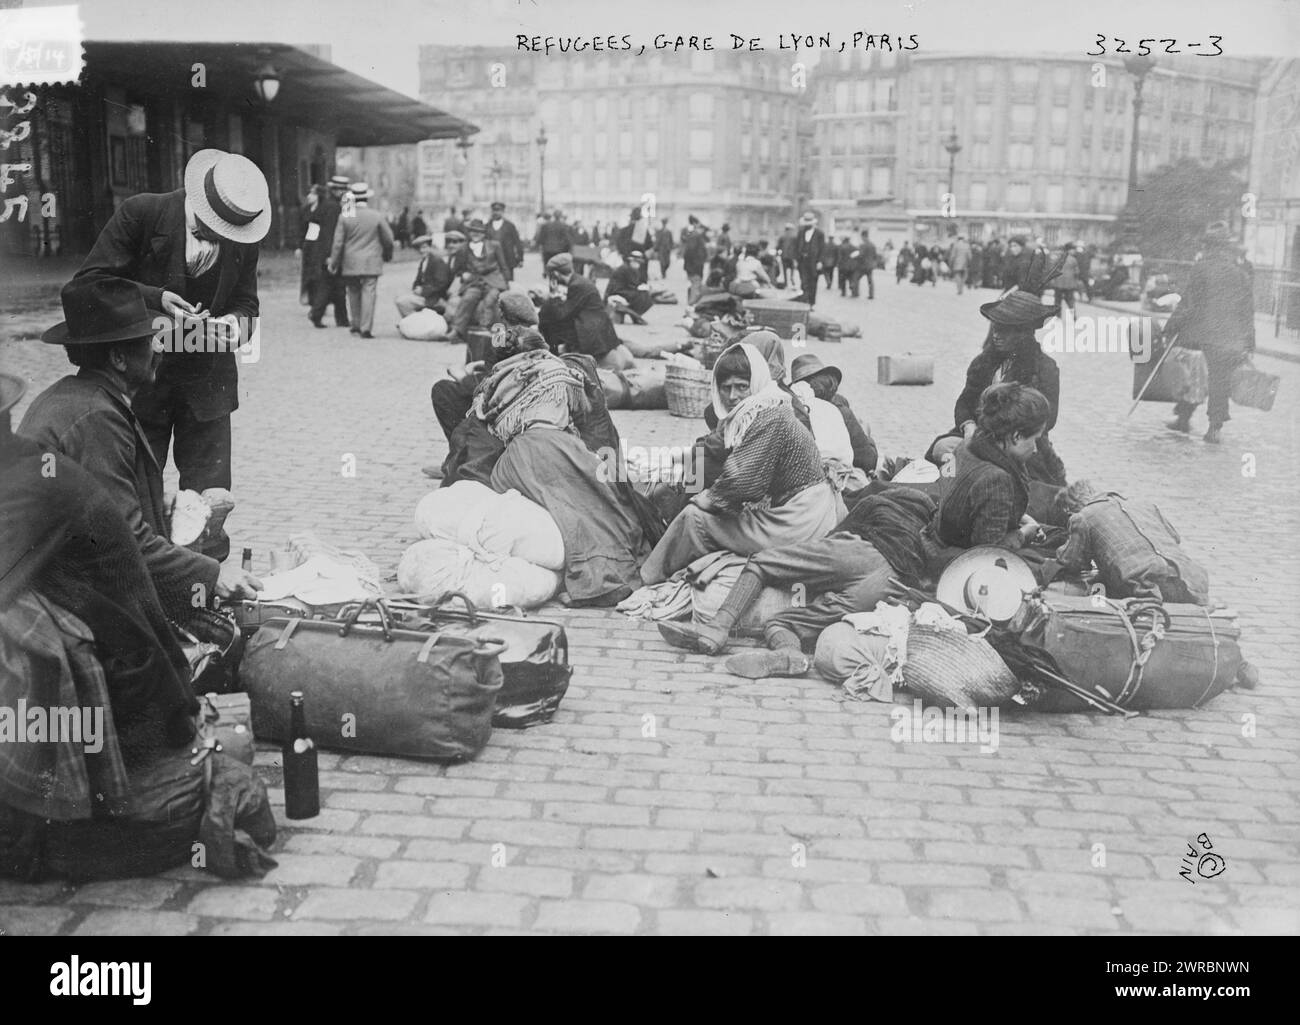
(778, 315)
(688, 390)
(952, 669)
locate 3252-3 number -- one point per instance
(1144, 49)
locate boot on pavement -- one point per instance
(1181, 423)
(1214, 435)
(784, 657)
(711, 638)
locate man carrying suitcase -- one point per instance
(1216, 315)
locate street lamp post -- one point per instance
(953, 147)
(541, 161)
(1130, 232)
(463, 144)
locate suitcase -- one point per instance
(534, 666)
(906, 369)
(1093, 641)
(375, 688)
(1183, 377)
(1254, 388)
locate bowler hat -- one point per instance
(476, 225)
(101, 310)
(988, 580)
(229, 195)
(1019, 309)
(12, 389)
(498, 205)
(808, 365)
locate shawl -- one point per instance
(530, 388)
(764, 393)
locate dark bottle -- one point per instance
(301, 777)
(246, 563)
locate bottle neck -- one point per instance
(297, 721)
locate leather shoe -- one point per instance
(1180, 424)
(434, 471)
(1213, 435)
(366, 334)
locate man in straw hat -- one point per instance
(363, 243)
(1216, 315)
(193, 252)
(88, 417)
(809, 250)
(326, 288)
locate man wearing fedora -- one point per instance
(481, 269)
(326, 288)
(506, 235)
(1216, 315)
(363, 243)
(193, 252)
(825, 384)
(809, 250)
(89, 418)
(433, 278)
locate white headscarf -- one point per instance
(764, 393)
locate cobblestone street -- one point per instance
(768, 807)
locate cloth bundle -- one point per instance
(866, 651)
(499, 549)
(532, 387)
(424, 326)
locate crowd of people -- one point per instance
(791, 480)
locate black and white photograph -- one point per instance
(548, 468)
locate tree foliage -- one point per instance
(1176, 202)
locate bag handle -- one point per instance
(446, 596)
(384, 623)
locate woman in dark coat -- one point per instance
(1010, 354)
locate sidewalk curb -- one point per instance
(1260, 350)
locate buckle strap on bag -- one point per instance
(1214, 674)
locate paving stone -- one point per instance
(859, 898)
(703, 923)
(477, 909)
(537, 882)
(357, 904)
(123, 922)
(234, 902)
(126, 893)
(977, 905)
(587, 916)
(312, 869)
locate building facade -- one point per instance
(1273, 233)
(1043, 140)
(714, 134)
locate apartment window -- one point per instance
(575, 111)
(859, 138)
(701, 144)
(625, 107)
(651, 175)
(979, 154)
(625, 179)
(765, 111)
(652, 106)
(602, 110)
(624, 144)
(1024, 74)
(984, 74)
(837, 183)
(979, 196)
(862, 95)
(885, 98)
(886, 59)
(1061, 77)
(746, 108)
(841, 97)
(1022, 117)
(575, 180)
(1056, 158)
(924, 116)
(881, 180)
(576, 146)
(764, 182)
(764, 149)
(701, 179)
(650, 145)
(1020, 156)
(746, 146)
(1055, 198)
(602, 146)
(602, 180)
(841, 138)
(983, 117)
(1018, 196)
(701, 106)
(1060, 120)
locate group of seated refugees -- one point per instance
(791, 478)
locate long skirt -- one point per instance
(603, 540)
(810, 514)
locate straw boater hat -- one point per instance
(102, 310)
(808, 218)
(339, 182)
(229, 195)
(12, 390)
(360, 192)
(987, 580)
(808, 365)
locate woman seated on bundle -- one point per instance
(750, 275)
(529, 403)
(772, 489)
(986, 504)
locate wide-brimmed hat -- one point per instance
(12, 389)
(988, 580)
(476, 225)
(808, 218)
(422, 240)
(808, 365)
(229, 195)
(339, 181)
(1019, 309)
(102, 310)
(560, 262)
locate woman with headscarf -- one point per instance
(528, 403)
(772, 489)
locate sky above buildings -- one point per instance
(381, 40)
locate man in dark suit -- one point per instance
(481, 268)
(193, 252)
(433, 278)
(553, 237)
(575, 319)
(809, 250)
(89, 418)
(506, 235)
(326, 289)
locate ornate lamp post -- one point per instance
(953, 147)
(1130, 231)
(463, 144)
(541, 160)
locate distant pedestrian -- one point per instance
(785, 250)
(694, 257)
(419, 226)
(1066, 283)
(506, 235)
(664, 247)
(903, 263)
(868, 261)
(809, 247)
(553, 238)
(959, 262)
(325, 289)
(363, 243)
(452, 221)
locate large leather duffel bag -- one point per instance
(1108, 643)
(1182, 377)
(373, 687)
(534, 666)
(1254, 388)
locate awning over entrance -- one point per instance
(313, 92)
